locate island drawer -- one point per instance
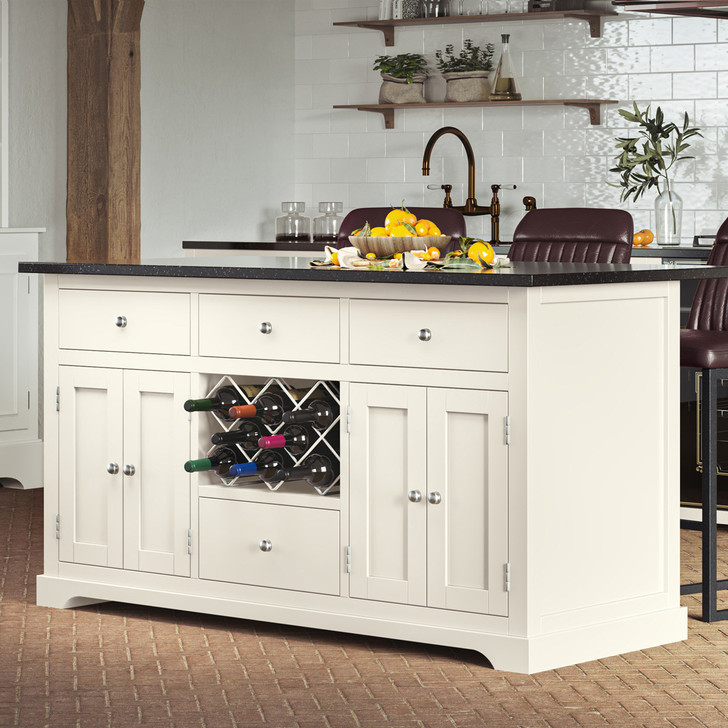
(302, 545)
(266, 327)
(124, 321)
(469, 336)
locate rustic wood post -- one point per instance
(104, 131)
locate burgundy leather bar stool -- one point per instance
(451, 222)
(573, 235)
(704, 346)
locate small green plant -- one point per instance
(405, 65)
(645, 160)
(471, 58)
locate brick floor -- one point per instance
(119, 665)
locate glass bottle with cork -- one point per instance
(504, 86)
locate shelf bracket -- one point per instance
(386, 30)
(594, 109)
(388, 115)
(594, 21)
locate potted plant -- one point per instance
(403, 78)
(467, 73)
(645, 161)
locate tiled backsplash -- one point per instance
(552, 153)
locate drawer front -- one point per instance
(298, 329)
(304, 545)
(469, 336)
(128, 321)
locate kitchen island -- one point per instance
(506, 448)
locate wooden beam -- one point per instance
(104, 131)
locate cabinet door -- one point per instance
(468, 529)
(90, 440)
(157, 495)
(388, 531)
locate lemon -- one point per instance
(400, 231)
(481, 252)
(379, 232)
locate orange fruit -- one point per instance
(434, 253)
(379, 232)
(638, 239)
(400, 231)
(394, 218)
(371, 256)
(648, 235)
(434, 230)
(334, 257)
(481, 252)
(423, 227)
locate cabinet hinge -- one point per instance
(348, 559)
(189, 540)
(28, 399)
(58, 399)
(348, 418)
(507, 577)
(508, 429)
(58, 525)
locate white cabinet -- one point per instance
(123, 495)
(429, 487)
(21, 451)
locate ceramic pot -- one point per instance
(398, 91)
(467, 86)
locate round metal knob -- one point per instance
(112, 468)
(414, 496)
(265, 327)
(265, 545)
(129, 470)
(121, 321)
(424, 334)
(434, 498)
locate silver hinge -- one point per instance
(507, 577)
(348, 559)
(508, 429)
(28, 399)
(348, 418)
(58, 399)
(58, 525)
(189, 540)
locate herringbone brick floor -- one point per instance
(119, 665)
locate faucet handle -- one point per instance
(529, 203)
(447, 202)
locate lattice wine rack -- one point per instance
(324, 442)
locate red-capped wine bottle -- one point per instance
(318, 412)
(264, 467)
(317, 470)
(220, 403)
(247, 436)
(269, 407)
(294, 438)
(220, 459)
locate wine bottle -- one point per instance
(269, 407)
(247, 436)
(220, 459)
(264, 467)
(224, 399)
(317, 470)
(295, 438)
(318, 412)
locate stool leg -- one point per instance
(709, 441)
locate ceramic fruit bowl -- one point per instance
(383, 246)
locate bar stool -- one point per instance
(573, 235)
(704, 346)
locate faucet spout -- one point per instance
(471, 203)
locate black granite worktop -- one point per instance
(292, 269)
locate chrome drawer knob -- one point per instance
(129, 470)
(265, 327)
(265, 545)
(424, 334)
(414, 496)
(121, 321)
(112, 468)
(434, 498)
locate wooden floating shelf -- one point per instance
(593, 106)
(387, 27)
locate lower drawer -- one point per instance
(303, 553)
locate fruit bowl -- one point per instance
(383, 246)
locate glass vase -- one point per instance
(668, 217)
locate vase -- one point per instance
(668, 217)
(398, 91)
(467, 86)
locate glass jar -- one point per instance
(293, 227)
(505, 83)
(326, 227)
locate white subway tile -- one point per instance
(707, 222)
(565, 34)
(509, 118)
(313, 22)
(330, 145)
(650, 86)
(607, 87)
(543, 169)
(694, 30)
(711, 113)
(527, 143)
(468, 120)
(361, 93)
(313, 170)
(543, 63)
(567, 142)
(349, 71)
(369, 144)
(504, 171)
(695, 85)
(312, 71)
(585, 61)
(544, 118)
(303, 47)
(330, 47)
(404, 144)
(723, 84)
(314, 121)
(383, 171)
(565, 194)
(628, 60)
(711, 57)
(326, 96)
(329, 193)
(304, 96)
(670, 58)
(412, 194)
(650, 31)
(600, 194)
(426, 120)
(564, 87)
(366, 195)
(615, 33)
(698, 195)
(303, 145)
(587, 170)
(413, 172)
(346, 170)
(347, 121)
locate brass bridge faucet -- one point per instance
(471, 206)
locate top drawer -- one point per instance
(129, 321)
(270, 327)
(469, 336)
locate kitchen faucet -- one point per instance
(471, 206)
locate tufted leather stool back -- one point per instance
(709, 311)
(573, 235)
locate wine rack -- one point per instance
(325, 442)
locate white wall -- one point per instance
(551, 153)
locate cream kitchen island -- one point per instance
(508, 449)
